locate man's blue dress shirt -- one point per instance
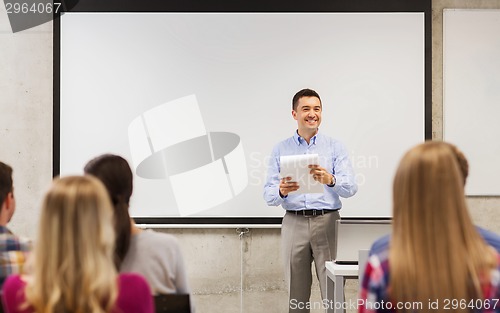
(332, 156)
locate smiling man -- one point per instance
(308, 227)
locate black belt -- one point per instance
(311, 212)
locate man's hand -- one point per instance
(287, 186)
(321, 175)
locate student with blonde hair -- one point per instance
(73, 270)
(436, 260)
(491, 238)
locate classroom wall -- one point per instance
(219, 261)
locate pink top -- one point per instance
(134, 295)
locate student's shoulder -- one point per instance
(131, 281)
(12, 286)
(134, 294)
(491, 238)
(14, 281)
(25, 243)
(11, 241)
(129, 277)
(380, 245)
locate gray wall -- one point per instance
(218, 261)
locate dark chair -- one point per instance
(172, 303)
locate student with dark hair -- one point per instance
(13, 249)
(114, 172)
(157, 256)
(73, 269)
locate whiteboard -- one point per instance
(229, 78)
(471, 93)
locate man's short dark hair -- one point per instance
(5, 181)
(303, 93)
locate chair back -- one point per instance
(172, 303)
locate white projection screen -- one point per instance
(195, 101)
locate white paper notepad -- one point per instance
(297, 167)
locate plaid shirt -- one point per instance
(375, 298)
(13, 253)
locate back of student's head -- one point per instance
(428, 186)
(73, 267)
(434, 243)
(115, 173)
(5, 181)
(463, 164)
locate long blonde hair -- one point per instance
(436, 252)
(73, 269)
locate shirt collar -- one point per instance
(299, 140)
